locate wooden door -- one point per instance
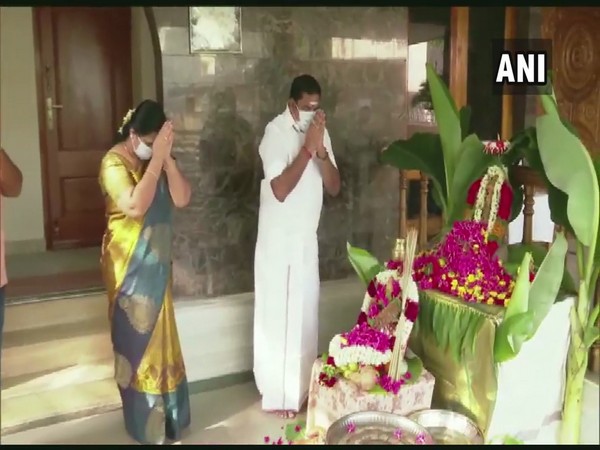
(576, 68)
(84, 89)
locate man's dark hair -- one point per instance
(304, 84)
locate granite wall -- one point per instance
(220, 104)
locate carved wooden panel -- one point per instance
(576, 67)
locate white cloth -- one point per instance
(286, 271)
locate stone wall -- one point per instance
(220, 104)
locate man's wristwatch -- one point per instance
(325, 156)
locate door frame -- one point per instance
(41, 109)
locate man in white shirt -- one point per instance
(297, 162)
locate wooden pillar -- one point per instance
(459, 53)
(510, 32)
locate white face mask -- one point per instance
(305, 118)
(143, 151)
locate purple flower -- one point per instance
(365, 336)
(390, 385)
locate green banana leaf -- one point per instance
(423, 151)
(597, 254)
(448, 122)
(569, 167)
(365, 264)
(517, 323)
(546, 284)
(516, 252)
(471, 165)
(525, 144)
(465, 115)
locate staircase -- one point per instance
(56, 362)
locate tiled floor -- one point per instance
(225, 416)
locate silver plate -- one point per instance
(449, 427)
(375, 428)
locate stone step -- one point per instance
(44, 407)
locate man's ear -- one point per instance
(293, 110)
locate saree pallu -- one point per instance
(149, 368)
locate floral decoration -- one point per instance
(464, 266)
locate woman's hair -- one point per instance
(147, 118)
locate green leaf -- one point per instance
(423, 152)
(464, 115)
(569, 167)
(547, 281)
(594, 315)
(516, 252)
(471, 165)
(557, 200)
(415, 368)
(378, 390)
(590, 337)
(518, 321)
(519, 301)
(510, 336)
(365, 264)
(597, 253)
(295, 431)
(448, 121)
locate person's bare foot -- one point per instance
(284, 414)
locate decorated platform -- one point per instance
(327, 404)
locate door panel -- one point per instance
(576, 61)
(85, 58)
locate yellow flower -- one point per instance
(471, 278)
(442, 262)
(501, 295)
(490, 301)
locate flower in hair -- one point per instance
(126, 119)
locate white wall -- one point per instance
(24, 217)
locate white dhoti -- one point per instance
(286, 319)
(286, 272)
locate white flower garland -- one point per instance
(499, 175)
(382, 277)
(367, 356)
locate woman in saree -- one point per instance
(141, 183)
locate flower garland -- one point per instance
(498, 176)
(381, 291)
(497, 147)
(362, 345)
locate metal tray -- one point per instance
(376, 428)
(449, 427)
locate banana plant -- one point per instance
(451, 159)
(569, 167)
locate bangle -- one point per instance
(151, 172)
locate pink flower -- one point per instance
(420, 439)
(267, 439)
(398, 434)
(350, 427)
(297, 428)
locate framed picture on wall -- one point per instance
(215, 29)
